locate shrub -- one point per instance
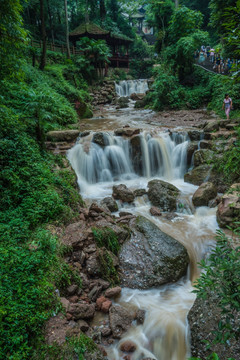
(221, 275)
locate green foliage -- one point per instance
(32, 193)
(140, 69)
(221, 275)
(141, 50)
(74, 347)
(108, 244)
(184, 22)
(213, 356)
(107, 238)
(12, 38)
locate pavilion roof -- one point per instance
(96, 32)
(89, 28)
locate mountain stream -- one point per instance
(164, 335)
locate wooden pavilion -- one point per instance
(114, 41)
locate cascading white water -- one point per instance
(162, 155)
(128, 87)
(164, 333)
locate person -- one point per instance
(218, 63)
(227, 103)
(212, 52)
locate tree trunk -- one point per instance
(86, 13)
(44, 36)
(102, 10)
(176, 3)
(50, 21)
(67, 30)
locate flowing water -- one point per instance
(164, 335)
(128, 87)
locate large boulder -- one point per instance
(123, 102)
(195, 135)
(212, 126)
(136, 154)
(198, 175)
(228, 212)
(192, 147)
(163, 195)
(121, 192)
(100, 139)
(202, 156)
(110, 204)
(151, 257)
(120, 320)
(206, 191)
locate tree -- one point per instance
(184, 22)
(67, 30)
(44, 36)
(158, 16)
(12, 39)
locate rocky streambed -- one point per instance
(152, 190)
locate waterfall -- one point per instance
(161, 155)
(128, 87)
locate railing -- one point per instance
(115, 60)
(57, 48)
(224, 68)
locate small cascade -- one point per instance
(160, 155)
(128, 87)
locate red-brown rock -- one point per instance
(106, 306)
(99, 302)
(128, 346)
(113, 292)
(154, 211)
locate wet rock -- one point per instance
(212, 126)
(136, 97)
(84, 134)
(206, 191)
(154, 211)
(120, 320)
(127, 132)
(100, 139)
(228, 212)
(163, 195)
(140, 316)
(192, 146)
(110, 203)
(140, 192)
(136, 154)
(195, 135)
(202, 156)
(198, 175)
(128, 346)
(113, 292)
(151, 257)
(63, 135)
(214, 202)
(206, 144)
(83, 325)
(121, 192)
(82, 311)
(122, 102)
(106, 331)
